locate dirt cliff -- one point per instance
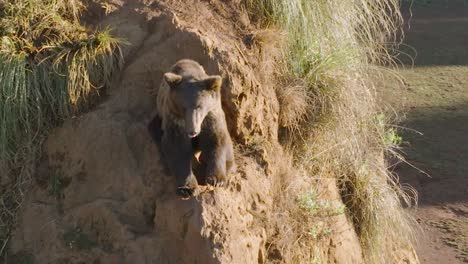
(100, 194)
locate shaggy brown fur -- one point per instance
(192, 121)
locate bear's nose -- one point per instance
(193, 134)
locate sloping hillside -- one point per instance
(99, 193)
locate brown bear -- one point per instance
(192, 122)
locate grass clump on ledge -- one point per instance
(331, 53)
(49, 64)
(50, 68)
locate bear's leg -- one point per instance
(215, 166)
(179, 154)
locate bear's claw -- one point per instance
(185, 192)
(214, 182)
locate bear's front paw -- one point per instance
(185, 192)
(215, 181)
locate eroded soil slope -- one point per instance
(100, 194)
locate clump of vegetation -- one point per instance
(334, 50)
(305, 215)
(320, 209)
(50, 66)
(314, 206)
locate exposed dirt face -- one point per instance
(101, 194)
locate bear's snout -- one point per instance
(192, 134)
(193, 121)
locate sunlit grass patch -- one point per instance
(51, 67)
(49, 64)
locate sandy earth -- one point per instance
(113, 205)
(435, 100)
(101, 194)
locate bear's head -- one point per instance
(192, 99)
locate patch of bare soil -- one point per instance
(101, 194)
(435, 100)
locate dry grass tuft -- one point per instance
(295, 103)
(353, 149)
(286, 228)
(332, 48)
(300, 227)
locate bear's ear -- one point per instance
(213, 83)
(172, 78)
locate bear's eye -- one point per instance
(198, 107)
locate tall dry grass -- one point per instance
(335, 49)
(50, 65)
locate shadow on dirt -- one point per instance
(441, 152)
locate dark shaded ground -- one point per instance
(442, 151)
(436, 34)
(435, 102)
